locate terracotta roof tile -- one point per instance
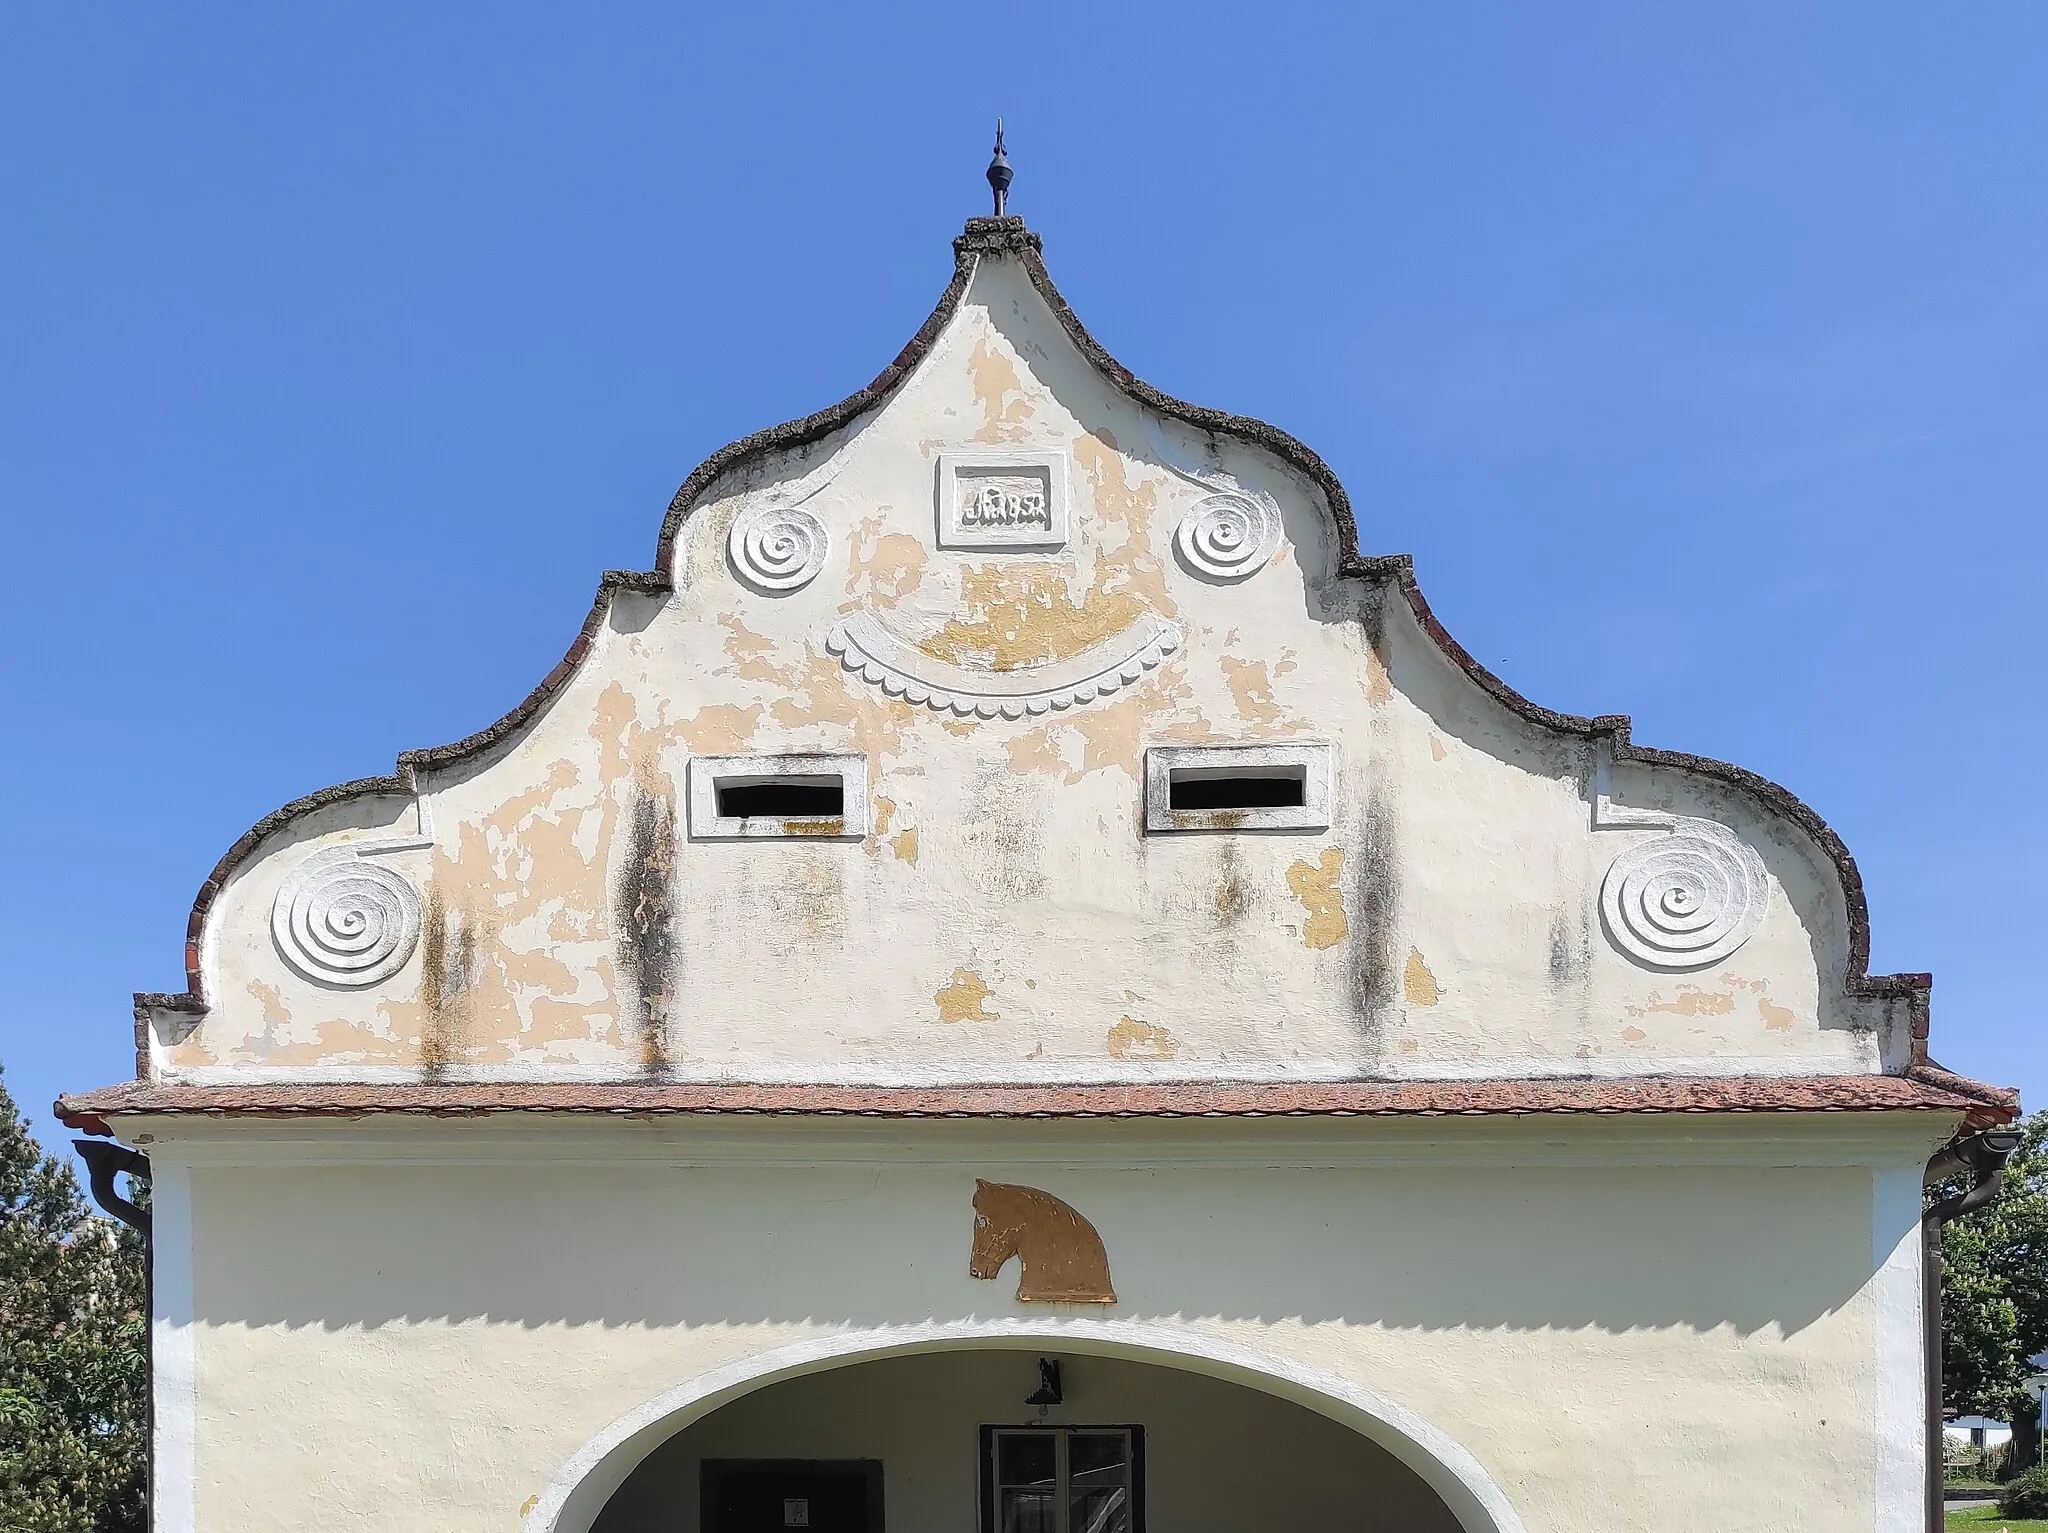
(1921, 1089)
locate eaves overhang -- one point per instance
(1921, 1089)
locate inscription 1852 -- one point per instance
(988, 503)
(1002, 499)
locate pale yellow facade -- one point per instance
(990, 602)
(1672, 1327)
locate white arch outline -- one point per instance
(586, 1481)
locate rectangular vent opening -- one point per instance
(798, 796)
(1247, 787)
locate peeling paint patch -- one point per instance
(903, 845)
(1131, 1038)
(1691, 1001)
(993, 377)
(1315, 885)
(1023, 615)
(528, 1505)
(1436, 749)
(1038, 750)
(273, 1003)
(1777, 1018)
(960, 998)
(748, 651)
(1633, 1034)
(1418, 985)
(883, 567)
(1251, 688)
(721, 729)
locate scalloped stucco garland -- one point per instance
(900, 669)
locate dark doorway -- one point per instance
(769, 1495)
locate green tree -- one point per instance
(73, 1372)
(1994, 1289)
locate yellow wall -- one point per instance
(1633, 1325)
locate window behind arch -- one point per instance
(1063, 1479)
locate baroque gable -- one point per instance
(1143, 773)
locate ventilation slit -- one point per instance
(808, 797)
(1280, 787)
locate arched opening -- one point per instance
(949, 1436)
(933, 1430)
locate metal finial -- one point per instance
(999, 172)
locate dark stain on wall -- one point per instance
(1571, 948)
(644, 909)
(449, 948)
(1375, 902)
(1232, 897)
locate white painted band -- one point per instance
(174, 1379)
(1899, 1429)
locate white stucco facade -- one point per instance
(1487, 1084)
(1002, 914)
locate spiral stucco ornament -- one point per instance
(1228, 535)
(343, 920)
(777, 548)
(1684, 900)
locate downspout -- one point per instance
(1983, 1157)
(104, 1161)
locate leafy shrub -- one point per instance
(72, 1380)
(2025, 1495)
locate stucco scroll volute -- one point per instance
(1688, 898)
(777, 547)
(343, 920)
(1229, 535)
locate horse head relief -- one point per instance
(1062, 1258)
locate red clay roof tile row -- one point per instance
(1921, 1089)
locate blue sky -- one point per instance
(1696, 353)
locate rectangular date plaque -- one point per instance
(1003, 498)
